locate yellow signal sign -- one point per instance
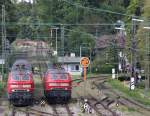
(85, 61)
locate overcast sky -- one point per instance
(25, 0)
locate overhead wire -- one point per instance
(89, 8)
(99, 9)
(67, 24)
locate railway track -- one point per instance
(105, 104)
(99, 77)
(83, 106)
(15, 111)
(92, 101)
(55, 110)
(120, 99)
(68, 110)
(32, 111)
(96, 110)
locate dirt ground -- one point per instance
(83, 89)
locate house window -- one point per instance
(77, 67)
(72, 67)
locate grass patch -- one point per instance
(135, 94)
(121, 108)
(131, 110)
(1, 87)
(124, 109)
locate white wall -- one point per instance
(72, 69)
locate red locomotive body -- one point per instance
(57, 84)
(20, 85)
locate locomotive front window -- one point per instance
(25, 77)
(16, 77)
(54, 76)
(63, 76)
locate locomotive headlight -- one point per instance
(64, 84)
(13, 90)
(53, 84)
(26, 86)
(14, 86)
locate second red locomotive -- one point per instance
(20, 85)
(57, 85)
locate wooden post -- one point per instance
(84, 73)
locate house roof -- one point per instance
(106, 40)
(67, 59)
(31, 43)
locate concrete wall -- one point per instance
(73, 69)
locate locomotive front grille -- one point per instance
(58, 93)
(21, 94)
(15, 90)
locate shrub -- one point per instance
(102, 68)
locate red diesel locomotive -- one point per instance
(20, 85)
(57, 85)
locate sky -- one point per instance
(25, 0)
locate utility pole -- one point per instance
(80, 50)
(147, 62)
(133, 53)
(62, 42)
(54, 28)
(90, 59)
(120, 26)
(3, 39)
(96, 33)
(147, 58)
(77, 14)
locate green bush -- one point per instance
(4, 68)
(103, 68)
(1, 87)
(122, 78)
(136, 94)
(141, 85)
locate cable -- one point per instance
(79, 32)
(100, 10)
(66, 24)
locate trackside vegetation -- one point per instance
(1, 87)
(136, 94)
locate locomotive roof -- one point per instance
(22, 62)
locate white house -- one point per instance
(71, 64)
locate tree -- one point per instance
(78, 37)
(10, 17)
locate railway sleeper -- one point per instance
(100, 101)
(86, 106)
(110, 102)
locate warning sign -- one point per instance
(85, 61)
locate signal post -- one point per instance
(84, 63)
